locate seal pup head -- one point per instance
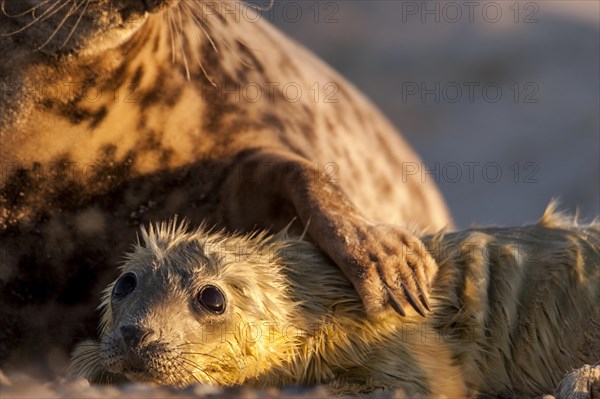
(66, 26)
(192, 307)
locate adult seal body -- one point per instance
(115, 113)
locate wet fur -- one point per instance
(79, 175)
(514, 309)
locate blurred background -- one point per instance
(501, 99)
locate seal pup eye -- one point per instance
(124, 286)
(212, 298)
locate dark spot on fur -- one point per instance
(308, 131)
(117, 77)
(75, 114)
(151, 142)
(387, 249)
(47, 104)
(137, 76)
(213, 122)
(153, 95)
(173, 95)
(161, 92)
(98, 117)
(273, 121)
(141, 122)
(330, 127)
(385, 186)
(373, 258)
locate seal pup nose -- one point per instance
(135, 336)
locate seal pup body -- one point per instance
(116, 113)
(514, 309)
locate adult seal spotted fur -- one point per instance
(513, 309)
(116, 113)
